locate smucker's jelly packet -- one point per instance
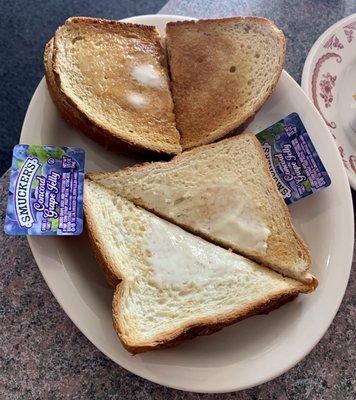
(46, 191)
(293, 160)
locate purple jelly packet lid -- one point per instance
(293, 160)
(46, 191)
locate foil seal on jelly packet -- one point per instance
(46, 191)
(294, 163)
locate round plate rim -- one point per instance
(198, 388)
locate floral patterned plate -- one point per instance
(329, 79)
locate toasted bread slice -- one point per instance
(223, 192)
(76, 118)
(110, 80)
(222, 72)
(66, 109)
(173, 285)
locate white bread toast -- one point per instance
(222, 72)
(225, 193)
(170, 284)
(110, 80)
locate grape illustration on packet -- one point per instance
(293, 160)
(45, 191)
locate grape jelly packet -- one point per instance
(293, 160)
(46, 191)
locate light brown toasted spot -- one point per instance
(209, 73)
(93, 61)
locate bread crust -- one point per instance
(100, 256)
(200, 327)
(209, 21)
(232, 127)
(310, 279)
(69, 109)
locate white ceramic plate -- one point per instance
(252, 351)
(329, 79)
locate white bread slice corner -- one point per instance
(172, 285)
(89, 68)
(222, 72)
(204, 188)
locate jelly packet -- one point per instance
(46, 191)
(293, 160)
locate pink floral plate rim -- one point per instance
(319, 84)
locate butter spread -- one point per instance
(221, 209)
(146, 75)
(137, 99)
(178, 258)
(240, 226)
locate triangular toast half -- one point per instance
(225, 193)
(170, 284)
